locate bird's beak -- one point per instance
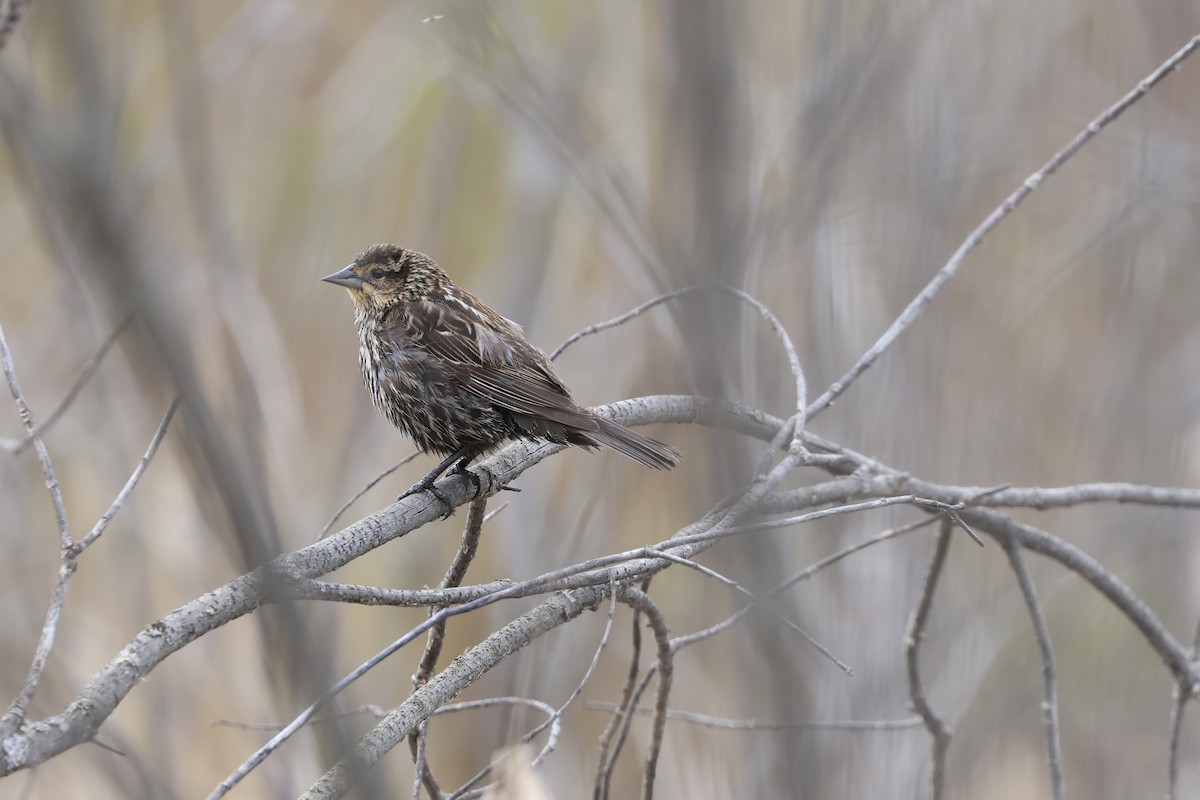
(345, 277)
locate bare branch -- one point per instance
(1183, 693)
(912, 642)
(926, 295)
(662, 638)
(610, 742)
(1049, 679)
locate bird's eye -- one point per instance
(377, 273)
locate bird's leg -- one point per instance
(426, 483)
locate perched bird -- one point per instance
(457, 377)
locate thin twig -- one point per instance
(1049, 680)
(420, 767)
(665, 661)
(368, 487)
(724, 723)
(121, 497)
(467, 547)
(926, 295)
(797, 444)
(804, 574)
(625, 721)
(622, 319)
(587, 675)
(912, 642)
(608, 747)
(15, 714)
(776, 326)
(1184, 692)
(10, 375)
(712, 573)
(17, 446)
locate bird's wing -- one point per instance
(491, 357)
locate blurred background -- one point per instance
(203, 165)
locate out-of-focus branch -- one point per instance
(726, 724)
(11, 16)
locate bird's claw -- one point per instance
(437, 493)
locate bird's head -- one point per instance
(386, 274)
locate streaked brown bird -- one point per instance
(457, 377)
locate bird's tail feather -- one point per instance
(640, 448)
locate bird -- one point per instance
(457, 377)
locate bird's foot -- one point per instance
(477, 481)
(438, 494)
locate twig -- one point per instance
(15, 714)
(467, 547)
(1049, 679)
(807, 572)
(10, 375)
(622, 319)
(423, 774)
(108, 515)
(912, 641)
(776, 326)
(1184, 692)
(797, 444)
(17, 446)
(368, 487)
(926, 295)
(662, 638)
(755, 600)
(723, 723)
(608, 745)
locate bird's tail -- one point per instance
(640, 448)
